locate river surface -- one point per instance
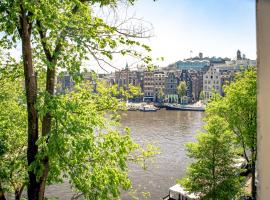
(170, 131)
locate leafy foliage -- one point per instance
(160, 94)
(239, 109)
(13, 128)
(182, 89)
(85, 146)
(130, 92)
(230, 130)
(75, 137)
(213, 174)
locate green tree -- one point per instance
(58, 34)
(181, 89)
(202, 95)
(213, 174)
(160, 94)
(13, 138)
(96, 154)
(135, 91)
(129, 93)
(239, 109)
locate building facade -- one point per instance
(64, 83)
(197, 84)
(148, 86)
(211, 82)
(192, 64)
(125, 77)
(159, 85)
(171, 82)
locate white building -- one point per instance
(211, 82)
(219, 74)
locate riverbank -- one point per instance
(143, 106)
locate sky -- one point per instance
(213, 27)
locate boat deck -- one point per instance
(168, 198)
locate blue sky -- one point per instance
(213, 27)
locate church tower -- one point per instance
(239, 55)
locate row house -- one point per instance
(159, 85)
(193, 79)
(148, 86)
(211, 82)
(197, 84)
(194, 82)
(218, 76)
(171, 82)
(66, 82)
(225, 79)
(227, 76)
(186, 77)
(154, 85)
(125, 77)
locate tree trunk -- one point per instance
(50, 86)
(46, 125)
(2, 194)
(253, 175)
(18, 193)
(31, 96)
(213, 192)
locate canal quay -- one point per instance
(170, 131)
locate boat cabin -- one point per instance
(177, 192)
(240, 163)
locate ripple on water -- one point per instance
(170, 130)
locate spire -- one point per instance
(126, 65)
(239, 55)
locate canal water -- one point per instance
(170, 131)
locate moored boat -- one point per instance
(148, 108)
(184, 107)
(177, 192)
